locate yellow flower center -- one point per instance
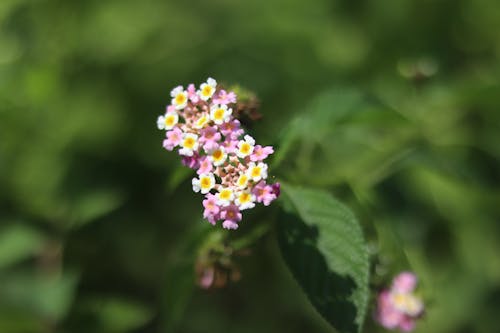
(399, 299)
(245, 148)
(218, 155)
(242, 181)
(256, 171)
(189, 143)
(170, 121)
(202, 121)
(205, 182)
(207, 90)
(219, 114)
(245, 197)
(180, 99)
(225, 194)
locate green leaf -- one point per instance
(48, 297)
(119, 314)
(91, 206)
(18, 242)
(322, 244)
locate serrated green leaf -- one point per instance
(322, 244)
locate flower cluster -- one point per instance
(398, 307)
(230, 165)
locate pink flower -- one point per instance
(174, 137)
(264, 193)
(231, 129)
(398, 307)
(230, 146)
(225, 98)
(192, 95)
(260, 153)
(231, 215)
(387, 315)
(404, 282)
(206, 277)
(210, 137)
(171, 109)
(205, 166)
(192, 162)
(211, 212)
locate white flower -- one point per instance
(218, 156)
(205, 183)
(257, 172)
(179, 98)
(224, 197)
(245, 147)
(189, 144)
(207, 89)
(220, 114)
(245, 200)
(167, 121)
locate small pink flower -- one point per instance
(231, 129)
(231, 215)
(260, 153)
(174, 138)
(225, 98)
(264, 193)
(206, 277)
(230, 146)
(398, 307)
(192, 95)
(404, 282)
(192, 162)
(210, 138)
(211, 212)
(387, 315)
(407, 324)
(206, 166)
(171, 109)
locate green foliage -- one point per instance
(390, 106)
(117, 314)
(323, 245)
(18, 242)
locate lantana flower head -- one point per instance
(231, 172)
(398, 307)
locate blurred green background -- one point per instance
(394, 106)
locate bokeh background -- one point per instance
(393, 106)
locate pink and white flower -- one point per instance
(231, 216)
(261, 153)
(174, 138)
(231, 174)
(225, 98)
(398, 307)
